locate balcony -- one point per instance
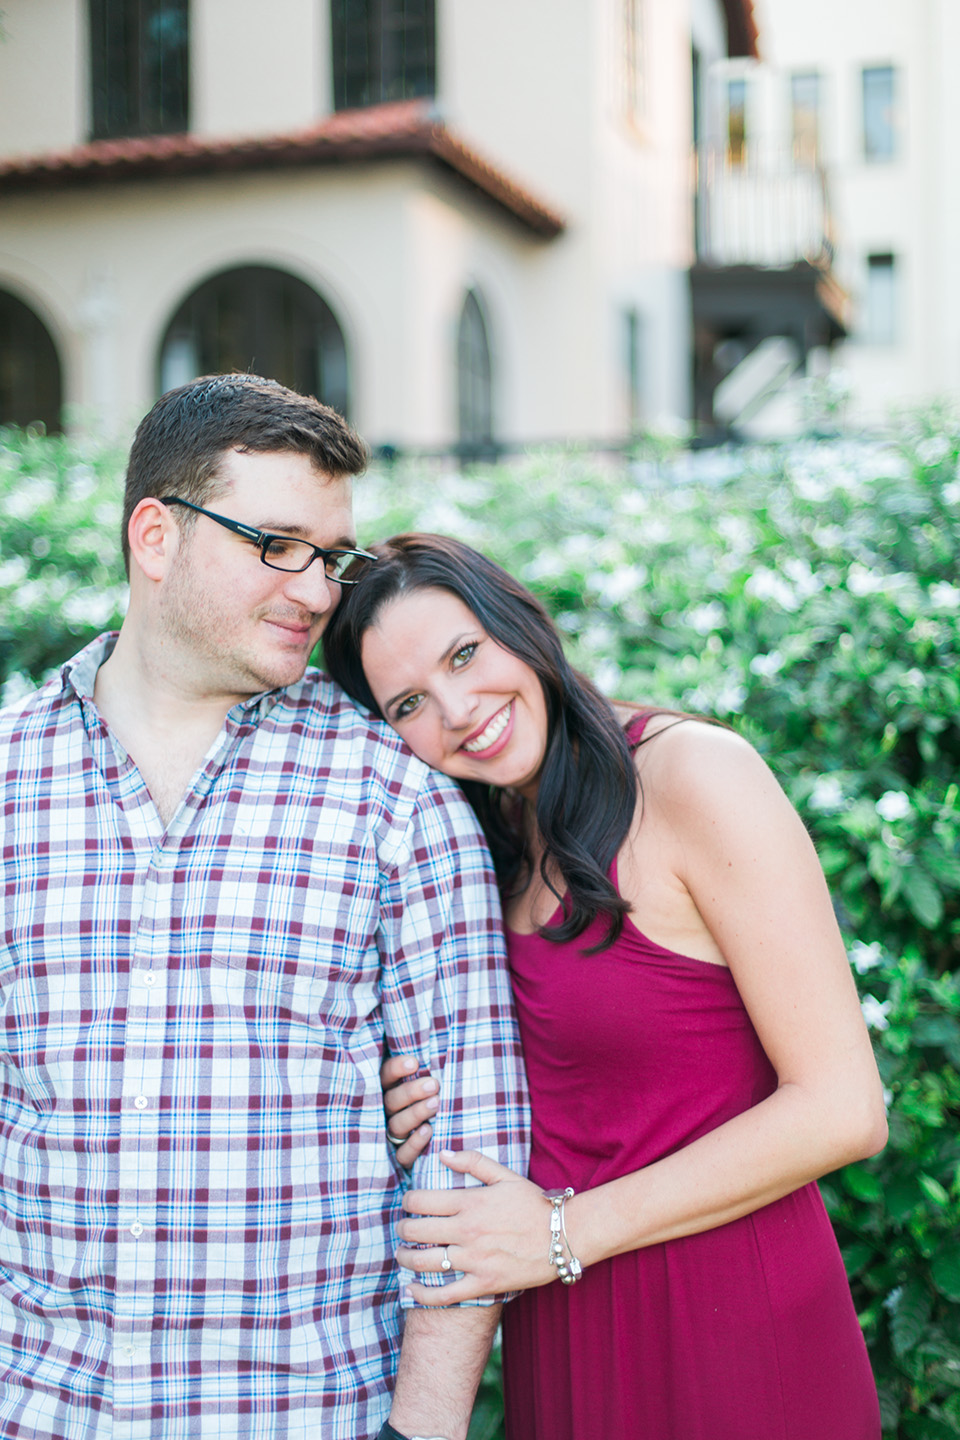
(764, 251)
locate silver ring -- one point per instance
(394, 1141)
(446, 1263)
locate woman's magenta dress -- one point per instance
(745, 1332)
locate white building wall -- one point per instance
(908, 206)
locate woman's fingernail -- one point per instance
(433, 1104)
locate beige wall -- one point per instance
(387, 247)
(258, 69)
(43, 75)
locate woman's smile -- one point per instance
(494, 730)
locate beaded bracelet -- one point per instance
(567, 1266)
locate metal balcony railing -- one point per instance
(767, 210)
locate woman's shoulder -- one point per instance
(683, 759)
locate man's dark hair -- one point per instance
(180, 444)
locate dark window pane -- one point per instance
(879, 322)
(261, 321)
(805, 117)
(29, 367)
(382, 50)
(736, 121)
(879, 121)
(139, 66)
(474, 381)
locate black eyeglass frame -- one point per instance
(264, 538)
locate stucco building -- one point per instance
(465, 222)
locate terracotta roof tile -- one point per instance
(408, 128)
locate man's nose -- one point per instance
(312, 588)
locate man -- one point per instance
(227, 892)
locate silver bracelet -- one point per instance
(567, 1265)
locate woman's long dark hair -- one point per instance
(588, 785)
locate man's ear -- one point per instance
(154, 536)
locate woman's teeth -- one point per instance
(492, 732)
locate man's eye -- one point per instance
(465, 653)
(406, 707)
(279, 547)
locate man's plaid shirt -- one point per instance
(197, 1199)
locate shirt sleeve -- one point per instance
(445, 987)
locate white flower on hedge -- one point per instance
(615, 586)
(945, 596)
(768, 665)
(875, 1012)
(730, 699)
(768, 585)
(893, 805)
(892, 1300)
(887, 1098)
(704, 618)
(932, 451)
(864, 958)
(827, 793)
(862, 582)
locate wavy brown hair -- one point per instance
(588, 789)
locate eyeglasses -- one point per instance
(282, 552)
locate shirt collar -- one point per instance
(79, 674)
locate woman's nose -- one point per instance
(458, 708)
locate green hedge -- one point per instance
(809, 595)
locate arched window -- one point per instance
(474, 382)
(30, 387)
(260, 321)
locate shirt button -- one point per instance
(141, 1102)
(136, 1229)
(129, 1349)
(149, 978)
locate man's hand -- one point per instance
(410, 1104)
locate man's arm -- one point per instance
(442, 1360)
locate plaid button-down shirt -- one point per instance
(197, 1199)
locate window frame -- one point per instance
(369, 45)
(136, 90)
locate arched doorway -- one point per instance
(262, 321)
(30, 383)
(474, 383)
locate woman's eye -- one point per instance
(406, 707)
(465, 653)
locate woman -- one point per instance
(694, 1044)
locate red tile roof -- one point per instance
(401, 130)
(741, 28)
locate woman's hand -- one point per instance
(410, 1104)
(498, 1236)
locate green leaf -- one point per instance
(933, 1190)
(901, 1197)
(945, 1271)
(923, 896)
(910, 1317)
(857, 1256)
(861, 1183)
